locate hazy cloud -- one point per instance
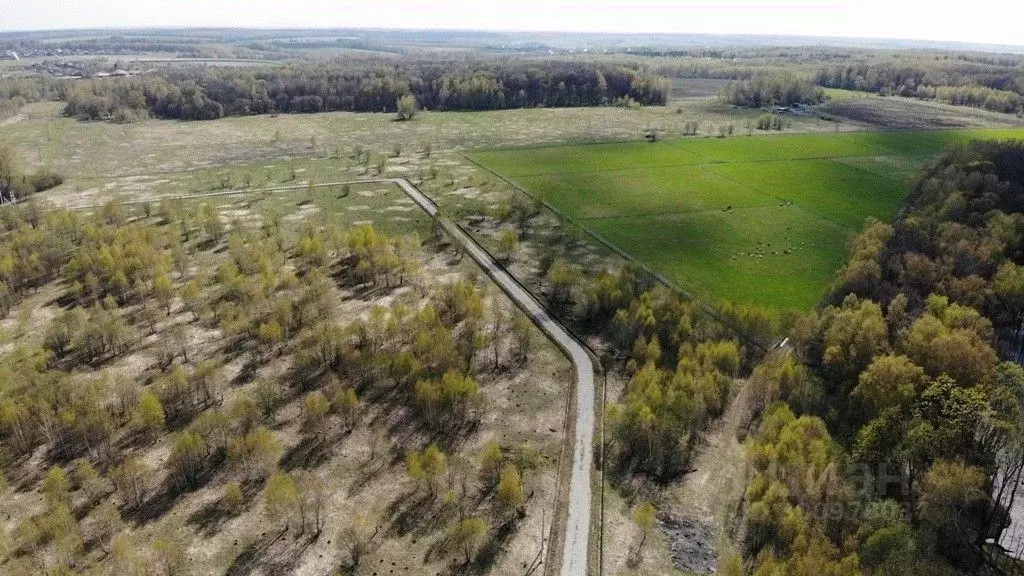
(983, 21)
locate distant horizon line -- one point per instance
(724, 35)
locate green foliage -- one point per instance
(561, 278)
(233, 498)
(767, 121)
(910, 381)
(889, 381)
(281, 498)
(644, 517)
(491, 460)
(187, 460)
(510, 490)
(448, 402)
(508, 243)
(254, 454)
(662, 410)
(863, 269)
(780, 89)
(426, 467)
(468, 536)
(950, 493)
(369, 86)
(406, 107)
(149, 414)
(315, 408)
(130, 479)
(14, 184)
(346, 403)
(57, 486)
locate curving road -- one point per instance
(577, 529)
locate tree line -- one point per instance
(15, 184)
(991, 84)
(16, 92)
(778, 89)
(990, 81)
(361, 86)
(890, 439)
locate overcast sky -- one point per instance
(982, 21)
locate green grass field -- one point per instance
(763, 220)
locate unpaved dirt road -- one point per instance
(577, 529)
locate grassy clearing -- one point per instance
(696, 87)
(763, 220)
(741, 254)
(158, 146)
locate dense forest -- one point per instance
(891, 436)
(361, 86)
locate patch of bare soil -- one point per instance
(13, 120)
(691, 542)
(896, 113)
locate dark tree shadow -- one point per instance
(418, 513)
(161, 502)
(253, 554)
(210, 518)
(310, 453)
(486, 557)
(370, 472)
(492, 550)
(276, 554)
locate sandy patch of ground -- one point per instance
(304, 212)
(13, 120)
(469, 193)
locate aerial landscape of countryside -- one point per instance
(405, 296)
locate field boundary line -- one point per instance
(674, 213)
(779, 198)
(784, 200)
(773, 134)
(705, 161)
(657, 276)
